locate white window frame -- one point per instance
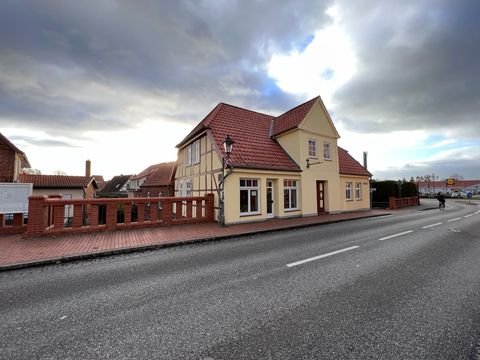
(358, 191)
(196, 152)
(327, 151)
(348, 191)
(290, 192)
(252, 186)
(185, 187)
(312, 148)
(188, 155)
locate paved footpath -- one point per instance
(17, 252)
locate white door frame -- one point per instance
(270, 214)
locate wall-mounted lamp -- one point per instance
(310, 164)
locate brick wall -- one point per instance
(7, 163)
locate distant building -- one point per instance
(12, 161)
(154, 180)
(116, 187)
(426, 187)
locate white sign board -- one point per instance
(14, 197)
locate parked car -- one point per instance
(459, 194)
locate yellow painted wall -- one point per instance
(316, 126)
(232, 195)
(355, 203)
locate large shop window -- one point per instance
(290, 194)
(249, 195)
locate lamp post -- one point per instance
(227, 147)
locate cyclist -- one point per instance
(441, 200)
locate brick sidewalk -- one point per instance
(17, 252)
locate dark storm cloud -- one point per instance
(80, 65)
(418, 66)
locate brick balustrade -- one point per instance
(396, 203)
(52, 215)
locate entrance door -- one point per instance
(320, 196)
(270, 212)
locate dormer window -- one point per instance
(312, 148)
(192, 153)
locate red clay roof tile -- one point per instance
(292, 118)
(349, 166)
(57, 181)
(161, 176)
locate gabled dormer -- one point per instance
(308, 132)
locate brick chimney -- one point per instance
(88, 168)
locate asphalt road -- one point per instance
(398, 287)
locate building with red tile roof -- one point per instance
(155, 180)
(280, 166)
(12, 160)
(71, 187)
(160, 182)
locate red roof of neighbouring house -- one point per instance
(145, 173)
(292, 118)
(57, 181)
(25, 162)
(161, 176)
(349, 166)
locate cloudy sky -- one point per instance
(122, 82)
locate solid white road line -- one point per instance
(322, 256)
(456, 219)
(395, 235)
(467, 216)
(430, 226)
(477, 212)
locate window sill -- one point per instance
(250, 214)
(291, 210)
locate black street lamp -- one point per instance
(228, 147)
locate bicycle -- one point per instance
(441, 205)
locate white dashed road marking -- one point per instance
(395, 235)
(432, 225)
(456, 219)
(467, 216)
(322, 256)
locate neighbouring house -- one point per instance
(161, 180)
(100, 182)
(71, 187)
(115, 188)
(12, 161)
(280, 166)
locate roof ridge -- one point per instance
(298, 106)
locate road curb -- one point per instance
(150, 247)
